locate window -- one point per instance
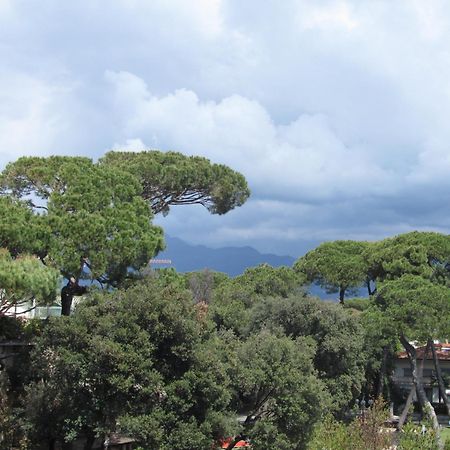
(407, 372)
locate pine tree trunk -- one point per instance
(382, 372)
(411, 393)
(421, 395)
(66, 302)
(341, 295)
(404, 414)
(438, 370)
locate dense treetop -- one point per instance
(77, 212)
(171, 178)
(70, 211)
(338, 266)
(426, 254)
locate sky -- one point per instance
(337, 112)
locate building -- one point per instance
(402, 375)
(29, 310)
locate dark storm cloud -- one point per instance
(335, 111)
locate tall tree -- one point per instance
(420, 310)
(171, 178)
(280, 393)
(337, 266)
(75, 213)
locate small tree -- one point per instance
(366, 432)
(23, 280)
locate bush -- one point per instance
(363, 433)
(414, 437)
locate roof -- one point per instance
(442, 352)
(117, 440)
(239, 444)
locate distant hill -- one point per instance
(231, 260)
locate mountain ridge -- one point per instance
(231, 260)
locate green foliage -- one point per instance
(412, 438)
(138, 361)
(279, 390)
(175, 179)
(333, 435)
(358, 304)
(233, 297)
(416, 307)
(445, 435)
(381, 342)
(77, 211)
(21, 231)
(366, 432)
(424, 254)
(338, 266)
(23, 279)
(267, 281)
(7, 418)
(340, 356)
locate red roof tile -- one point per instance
(442, 352)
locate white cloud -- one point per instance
(30, 118)
(304, 159)
(335, 110)
(6, 9)
(131, 145)
(338, 15)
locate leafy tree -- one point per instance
(381, 342)
(24, 279)
(426, 254)
(420, 310)
(340, 355)
(337, 266)
(420, 254)
(233, 298)
(136, 361)
(363, 433)
(89, 214)
(279, 391)
(170, 178)
(412, 438)
(76, 213)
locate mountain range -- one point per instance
(231, 260)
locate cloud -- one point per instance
(337, 16)
(307, 182)
(335, 110)
(304, 160)
(30, 119)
